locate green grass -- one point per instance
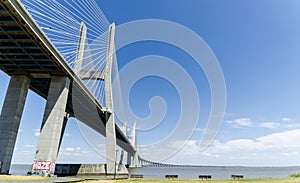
(11, 178)
(296, 175)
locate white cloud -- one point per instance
(70, 149)
(198, 129)
(270, 125)
(66, 153)
(25, 152)
(29, 146)
(269, 145)
(281, 140)
(286, 119)
(294, 125)
(247, 122)
(36, 132)
(190, 148)
(67, 135)
(241, 122)
(267, 150)
(274, 125)
(20, 130)
(210, 155)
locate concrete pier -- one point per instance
(89, 171)
(53, 125)
(129, 156)
(135, 156)
(80, 170)
(110, 118)
(11, 116)
(136, 161)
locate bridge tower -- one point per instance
(55, 116)
(110, 118)
(136, 161)
(133, 160)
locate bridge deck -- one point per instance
(26, 50)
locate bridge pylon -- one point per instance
(136, 161)
(111, 146)
(55, 115)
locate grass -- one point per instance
(21, 178)
(296, 175)
(286, 180)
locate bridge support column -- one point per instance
(111, 159)
(111, 146)
(10, 118)
(53, 125)
(136, 160)
(129, 159)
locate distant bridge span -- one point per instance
(147, 163)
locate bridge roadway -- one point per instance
(25, 50)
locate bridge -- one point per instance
(33, 62)
(146, 163)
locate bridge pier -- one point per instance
(135, 156)
(136, 161)
(53, 125)
(10, 118)
(111, 146)
(129, 158)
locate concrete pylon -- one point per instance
(127, 135)
(10, 118)
(80, 48)
(129, 156)
(110, 121)
(53, 125)
(136, 161)
(84, 75)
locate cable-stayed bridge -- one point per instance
(70, 62)
(147, 163)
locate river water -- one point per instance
(217, 172)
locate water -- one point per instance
(217, 172)
(19, 169)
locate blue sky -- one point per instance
(257, 46)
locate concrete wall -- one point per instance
(87, 170)
(79, 169)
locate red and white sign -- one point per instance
(43, 165)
